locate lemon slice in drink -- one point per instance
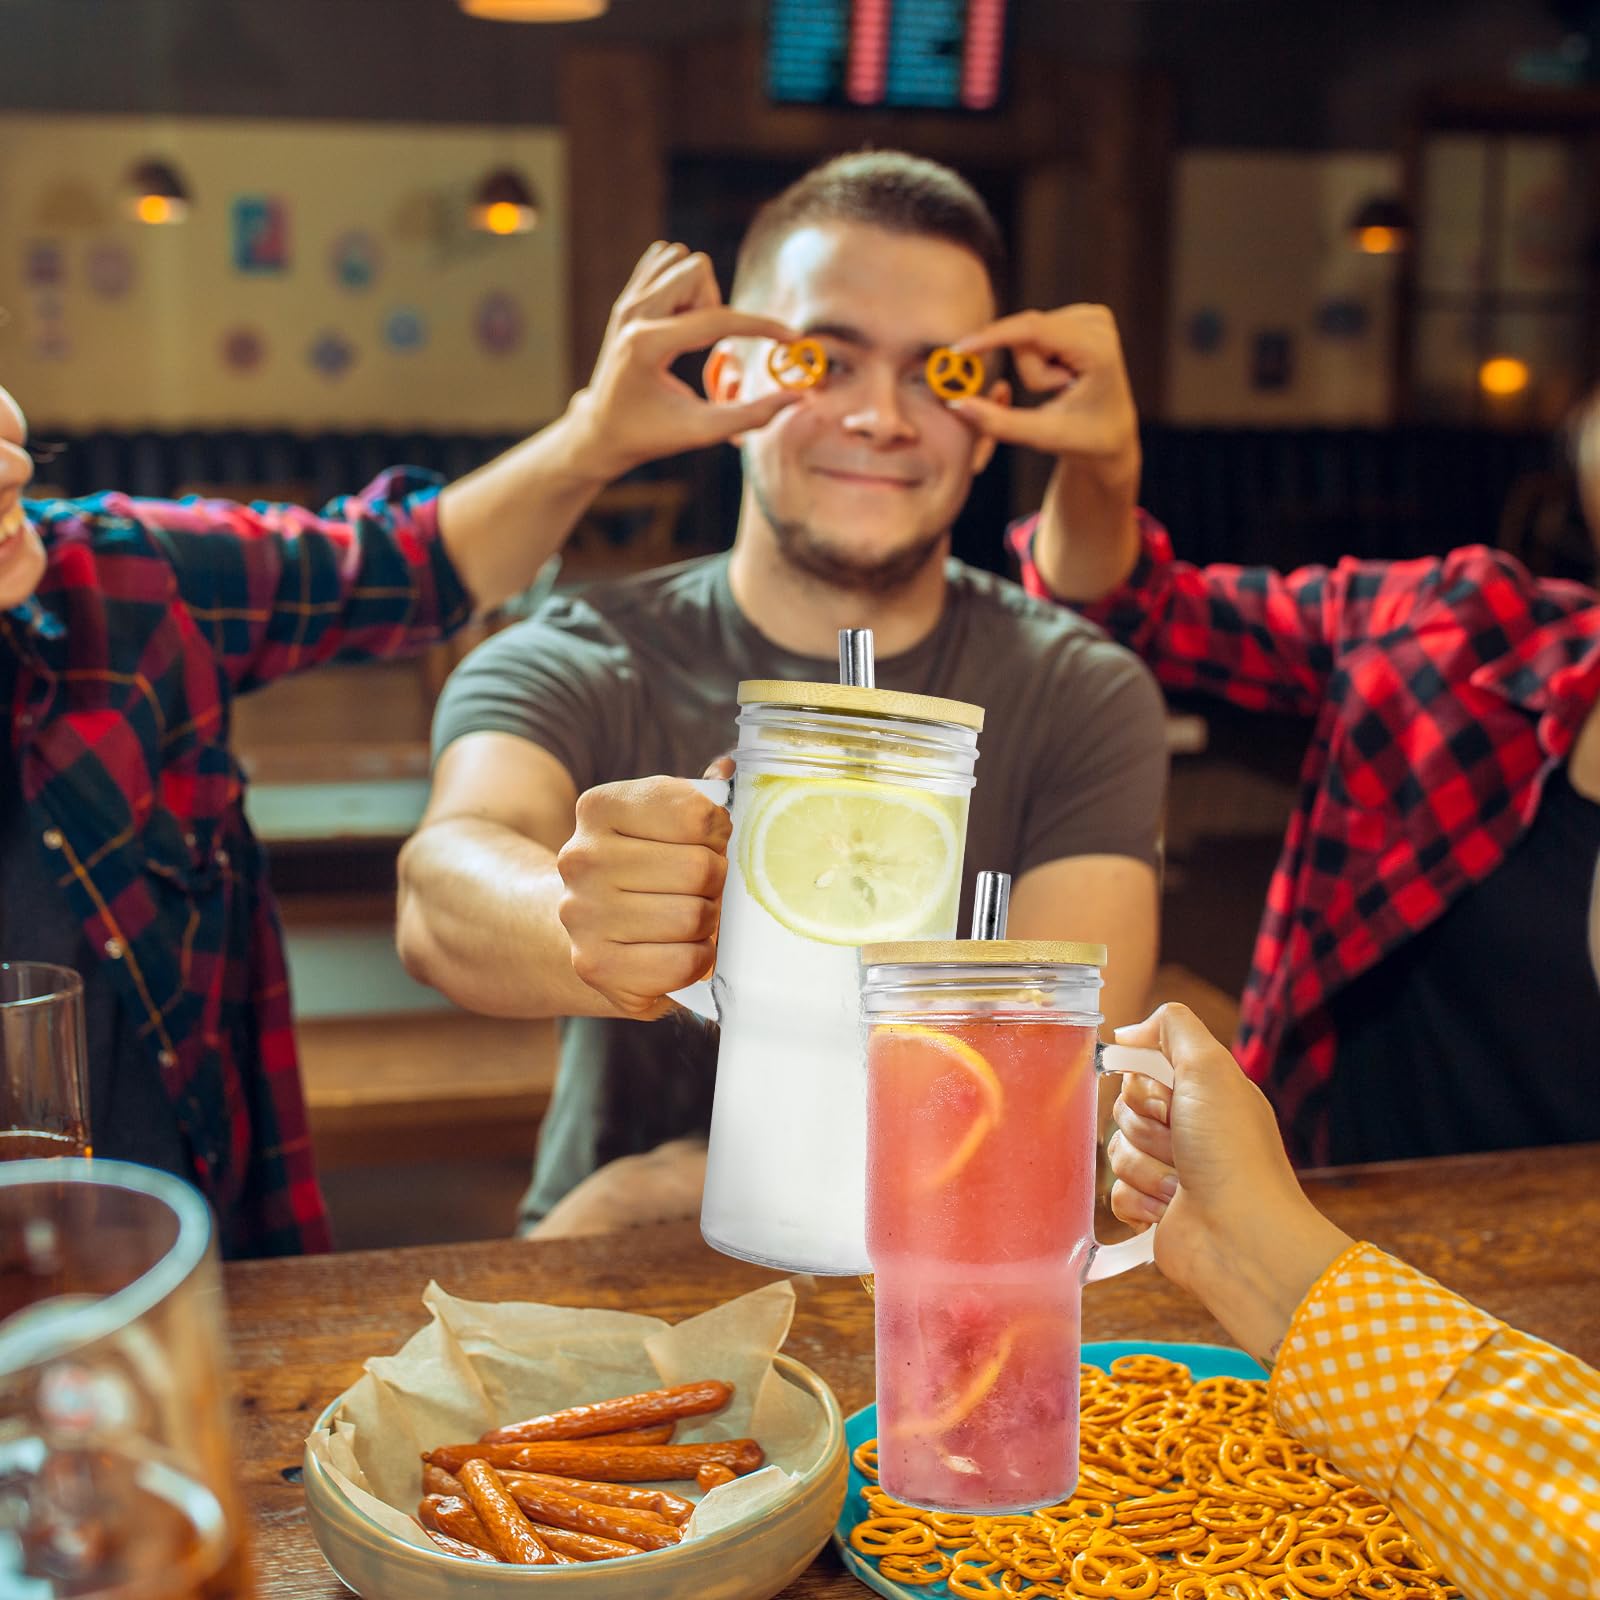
(848, 862)
(969, 1397)
(926, 1056)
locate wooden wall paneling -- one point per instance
(611, 103)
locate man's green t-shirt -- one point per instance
(640, 676)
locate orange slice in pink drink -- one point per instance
(919, 1059)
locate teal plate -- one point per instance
(1203, 1360)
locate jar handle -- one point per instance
(698, 997)
(1108, 1260)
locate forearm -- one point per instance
(1088, 539)
(504, 521)
(1253, 1274)
(479, 921)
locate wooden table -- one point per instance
(1516, 1232)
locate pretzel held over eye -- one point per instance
(953, 374)
(800, 364)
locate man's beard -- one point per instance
(807, 551)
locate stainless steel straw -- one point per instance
(855, 658)
(991, 905)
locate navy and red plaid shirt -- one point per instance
(151, 616)
(1442, 691)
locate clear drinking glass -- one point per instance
(115, 1461)
(982, 1063)
(44, 1073)
(849, 825)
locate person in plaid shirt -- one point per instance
(126, 628)
(1417, 985)
(1431, 1404)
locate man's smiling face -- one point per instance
(861, 480)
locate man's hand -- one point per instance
(643, 875)
(1074, 355)
(634, 409)
(1088, 537)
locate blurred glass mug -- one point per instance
(44, 1076)
(115, 1464)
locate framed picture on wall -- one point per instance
(260, 234)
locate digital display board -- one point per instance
(943, 55)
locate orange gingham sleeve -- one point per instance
(1486, 1442)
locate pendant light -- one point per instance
(157, 194)
(505, 203)
(1380, 226)
(534, 10)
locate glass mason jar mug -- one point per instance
(849, 826)
(982, 1069)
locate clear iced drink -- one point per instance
(849, 825)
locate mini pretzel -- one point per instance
(954, 374)
(1322, 1568)
(915, 1571)
(1225, 1395)
(1280, 1537)
(1145, 1367)
(1394, 1547)
(1303, 1487)
(1124, 1456)
(1113, 1574)
(1166, 1540)
(1013, 1542)
(896, 1536)
(1015, 1587)
(972, 1579)
(1222, 1554)
(1363, 1519)
(953, 1529)
(1234, 1516)
(800, 364)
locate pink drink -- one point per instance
(980, 1200)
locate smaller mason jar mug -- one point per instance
(982, 1067)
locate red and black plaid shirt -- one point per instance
(151, 616)
(1442, 691)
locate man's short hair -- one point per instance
(885, 189)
